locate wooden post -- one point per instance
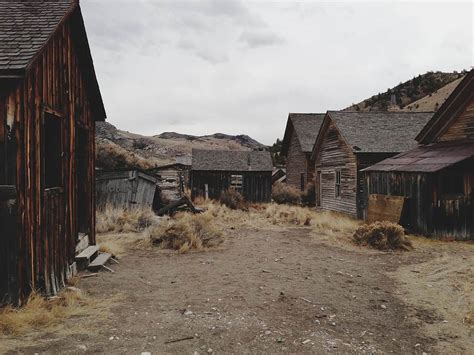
(206, 191)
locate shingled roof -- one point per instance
(231, 160)
(25, 27)
(379, 132)
(306, 127)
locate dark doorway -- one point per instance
(52, 151)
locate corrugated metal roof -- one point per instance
(231, 160)
(427, 158)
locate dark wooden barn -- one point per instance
(430, 189)
(247, 172)
(126, 189)
(300, 135)
(49, 102)
(351, 141)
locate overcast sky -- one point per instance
(239, 67)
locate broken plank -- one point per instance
(98, 262)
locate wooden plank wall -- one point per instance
(257, 186)
(463, 126)
(54, 83)
(334, 155)
(296, 163)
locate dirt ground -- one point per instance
(275, 290)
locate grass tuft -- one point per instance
(382, 236)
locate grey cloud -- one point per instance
(260, 38)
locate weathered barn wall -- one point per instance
(463, 127)
(427, 210)
(296, 163)
(55, 87)
(125, 189)
(257, 186)
(174, 179)
(334, 155)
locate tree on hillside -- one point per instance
(275, 150)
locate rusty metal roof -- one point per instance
(427, 158)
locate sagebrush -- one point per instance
(382, 236)
(233, 199)
(286, 194)
(119, 220)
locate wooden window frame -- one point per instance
(337, 183)
(240, 185)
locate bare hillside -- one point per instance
(118, 149)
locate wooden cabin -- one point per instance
(49, 102)
(173, 179)
(300, 134)
(247, 172)
(127, 189)
(430, 188)
(351, 141)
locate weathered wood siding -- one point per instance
(462, 128)
(47, 223)
(334, 155)
(427, 210)
(125, 189)
(297, 163)
(257, 186)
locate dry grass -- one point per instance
(42, 314)
(185, 232)
(122, 221)
(286, 194)
(111, 156)
(382, 236)
(233, 200)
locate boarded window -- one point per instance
(52, 151)
(236, 182)
(452, 185)
(337, 183)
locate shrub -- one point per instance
(119, 220)
(308, 196)
(285, 194)
(382, 236)
(112, 156)
(233, 200)
(186, 232)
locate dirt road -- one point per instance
(274, 290)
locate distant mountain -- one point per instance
(120, 149)
(403, 96)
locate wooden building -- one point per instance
(127, 189)
(351, 141)
(247, 172)
(49, 102)
(430, 189)
(173, 179)
(300, 134)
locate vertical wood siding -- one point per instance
(257, 186)
(296, 163)
(47, 230)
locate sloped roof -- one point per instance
(306, 127)
(379, 132)
(25, 27)
(231, 160)
(427, 158)
(449, 110)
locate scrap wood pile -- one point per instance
(181, 205)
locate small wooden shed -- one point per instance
(300, 135)
(351, 141)
(49, 102)
(126, 189)
(247, 172)
(430, 189)
(173, 179)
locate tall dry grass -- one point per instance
(117, 220)
(42, 314)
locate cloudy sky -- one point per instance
(239, 67)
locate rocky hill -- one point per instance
(421, 93)
(120, 149)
